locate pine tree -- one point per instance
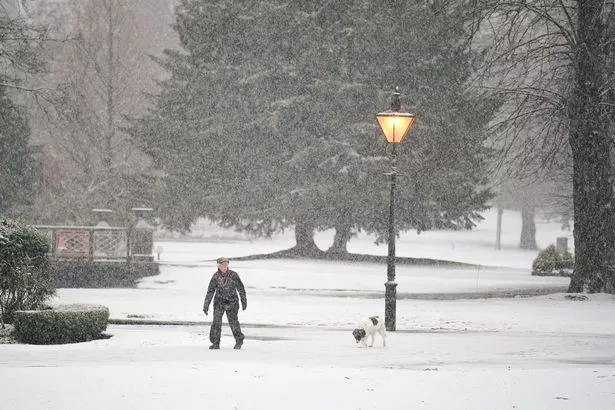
(15, 156)
(267, 120)
(19, 58)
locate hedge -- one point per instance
(62, 324)
(84, 274)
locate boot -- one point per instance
(238, 345)
(214, 346)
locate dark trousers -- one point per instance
(216, 325)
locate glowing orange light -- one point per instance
(395, 125)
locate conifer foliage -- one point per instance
(16, 172)
(268, 117)
(19, 59)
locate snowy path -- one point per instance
(170, 367)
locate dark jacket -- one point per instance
(226, 286)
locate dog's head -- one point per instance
(359, 334)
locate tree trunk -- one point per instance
(304, 238)
(110, 133)
(592, 175)
(2, 326)
(528, 228)
(343, 233)
(498, 233)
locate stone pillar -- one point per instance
(561, 245)
(141, 237)
(102, 217)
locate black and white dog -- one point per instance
(368, 328)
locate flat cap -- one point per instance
(221, 260)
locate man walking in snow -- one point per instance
(226, 285)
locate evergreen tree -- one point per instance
(267, 120)
(19, 59)
(17, 165)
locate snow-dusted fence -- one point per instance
(100, 243)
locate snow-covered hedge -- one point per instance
(549, 262)
(84, 274)
(62, 324)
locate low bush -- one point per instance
(25, 281)
(551, 263)
(84, 274)
(62, 324)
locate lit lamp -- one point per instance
(395, 126)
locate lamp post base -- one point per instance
(390, 305)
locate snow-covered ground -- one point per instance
(543, 352)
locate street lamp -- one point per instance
(395, 126)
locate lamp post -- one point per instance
(395, 126)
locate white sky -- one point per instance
(544, 352)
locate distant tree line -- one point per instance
(74, 70)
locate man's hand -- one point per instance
(205, 311)
(244, 307)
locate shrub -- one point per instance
(85, 274)
(551, 263)
(63, 324)
(25, 281)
